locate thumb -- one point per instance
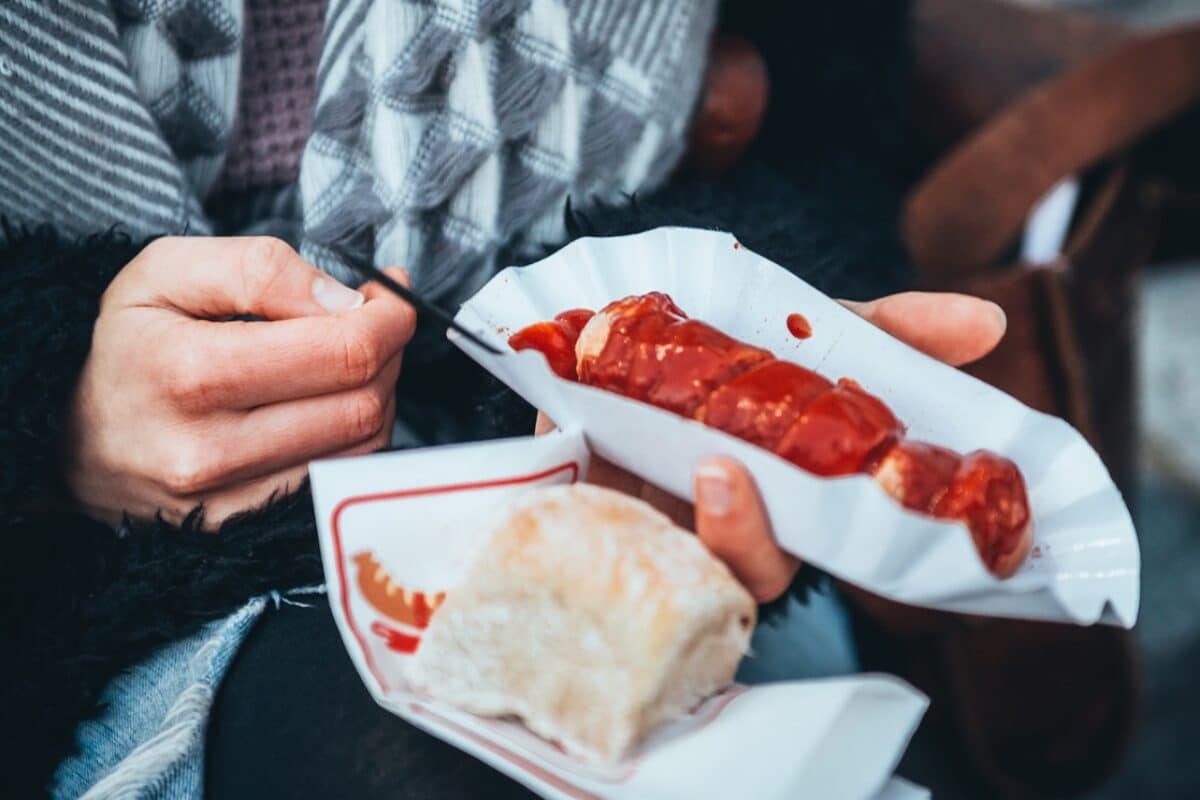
(212, 278)
(954, 328)
(733, 525)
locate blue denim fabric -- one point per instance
(149, 742)
(808, 641)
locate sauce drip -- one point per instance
(798, 326)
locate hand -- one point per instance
(732, 105)
(729, 516)
(177, 408)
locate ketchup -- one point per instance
(988, 494)
(917, 474)
(555, 340)
(655, 354)
(798, 326)
(840, 431)
(761, 405)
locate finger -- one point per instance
(374, 290)
(731, 110)
(678, 510)
(732, 523)
(212, 277)
(251, 496)
(954, 328)
(240, 365)
(543, 424)
(272, 437)
(607, 474)
(254, 494)
(602, 472)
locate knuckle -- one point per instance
(366, 414)
(265, 260)
(383, 438)
(377, 442)
(184, 377)
(769, 589)
(360, 355)
(142, 264)
(179, 380)
(160, 247)
(110, 301)
(190, 468)
(409, 324)
(730, 548)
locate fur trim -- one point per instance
(49, 297)
(85, 602)
(50, 291)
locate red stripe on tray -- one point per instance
(335, 525)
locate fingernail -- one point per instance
(333, 296)
(714, 489)
(1000, 315)
(854, 306)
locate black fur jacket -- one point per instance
(818, 194)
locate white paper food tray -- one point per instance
(418, 513)
(1084, 566)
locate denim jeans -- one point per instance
(149, 740)
(813, 640)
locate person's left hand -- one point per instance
(729, 516)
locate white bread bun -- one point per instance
(589, 616)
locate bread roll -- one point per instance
(589, 616)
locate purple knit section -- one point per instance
(280, 49)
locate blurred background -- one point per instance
(1165, 484)
(1163, 761)
(1142, 13)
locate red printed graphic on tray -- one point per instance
(396, 552)
(393, 550)
(411, 609)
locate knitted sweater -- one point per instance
(442, 129)
(277, 93)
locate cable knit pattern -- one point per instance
(278, 90)
(445, 128)
(185, 56)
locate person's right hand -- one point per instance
(177, 407)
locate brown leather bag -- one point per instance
(1069, 348)
(1033, 709)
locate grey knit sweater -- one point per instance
(442, 128)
